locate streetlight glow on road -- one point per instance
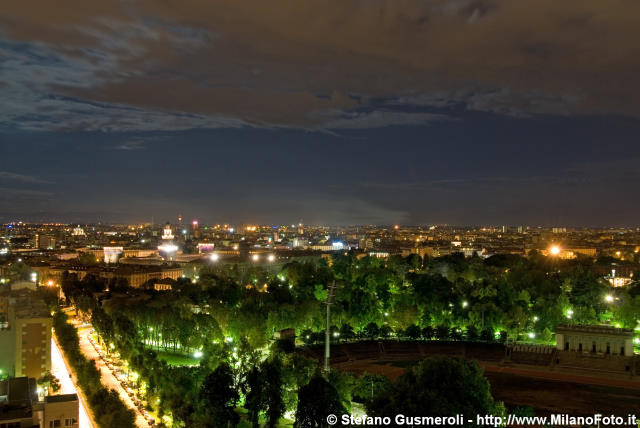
(59, 370)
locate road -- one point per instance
(108, 379)
(61, 371)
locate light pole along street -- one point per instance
(327, 334)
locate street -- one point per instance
(59, 370)
(108, 378)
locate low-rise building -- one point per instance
(20, 406)
(595, 339)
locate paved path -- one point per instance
(108, 379)
(584, 377)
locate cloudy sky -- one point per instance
(355, 111)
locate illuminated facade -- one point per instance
(112, 254)
(205, 247)
(167, 233)
(595, 339)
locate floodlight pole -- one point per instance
(327, 333)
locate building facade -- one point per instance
(25, 336)
(595, 339)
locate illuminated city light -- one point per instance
(197, 354)
(255, 257)
(214, 257)
(465, 304)
(532, 335)
(168, 248)
(608, 298)
(554, 250)
(271, 257)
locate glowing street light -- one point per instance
(197, 354)
(608, 298)
(554, 250)
(271, 257)
(255, 257)
(214, 257)
(532, 335)
(465, 304)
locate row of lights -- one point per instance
(215, 257)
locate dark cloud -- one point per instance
(226, 64)
(21, 178)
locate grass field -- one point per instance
(178, 359)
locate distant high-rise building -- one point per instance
(45, 242)
(194, 229)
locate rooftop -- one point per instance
(62, 398)
(595, 329)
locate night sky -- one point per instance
(461, 112)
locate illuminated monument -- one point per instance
(167, 233)
(167, 249)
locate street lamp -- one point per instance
(608, 298)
